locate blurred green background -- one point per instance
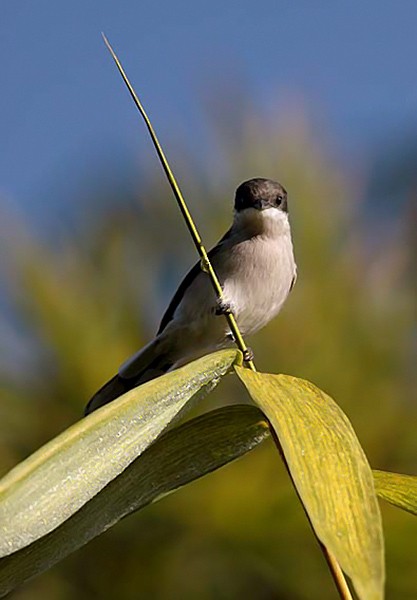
(93, 298)
(82, 294)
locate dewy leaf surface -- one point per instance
(176, 458)
(49, 486)
(399, 490)
(330, 472)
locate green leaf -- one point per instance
(176, 458)
(52, 484)
(330, 471)
(399, 490)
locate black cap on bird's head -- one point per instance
(260, 194)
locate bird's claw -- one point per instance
(204, 265)
(222, 308)
(248, 355)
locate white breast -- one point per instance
(255, 266)
(266, 269)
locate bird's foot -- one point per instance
(222, 308)
(204, 265)
(248, 355)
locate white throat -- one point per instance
(270, 222)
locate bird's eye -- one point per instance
(280, 198)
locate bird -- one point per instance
(254, 262)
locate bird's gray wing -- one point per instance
(185, 284)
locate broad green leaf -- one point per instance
(397, 489)
(176, 458)
(330, 472)
(48, 487)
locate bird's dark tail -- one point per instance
(147, 364)
(111, 390)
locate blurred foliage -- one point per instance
(94, 296)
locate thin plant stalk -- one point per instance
(206, 266)
(334, 567)
(205, 261)
(337, 574)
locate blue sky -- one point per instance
(62, 103)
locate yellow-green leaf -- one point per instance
(176, 458)
(330, 472)
(399, 490)
(48, 487)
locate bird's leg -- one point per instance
(248, 354)
(224, 308)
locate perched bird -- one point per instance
(255, 265)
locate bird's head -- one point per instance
(260, 194)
